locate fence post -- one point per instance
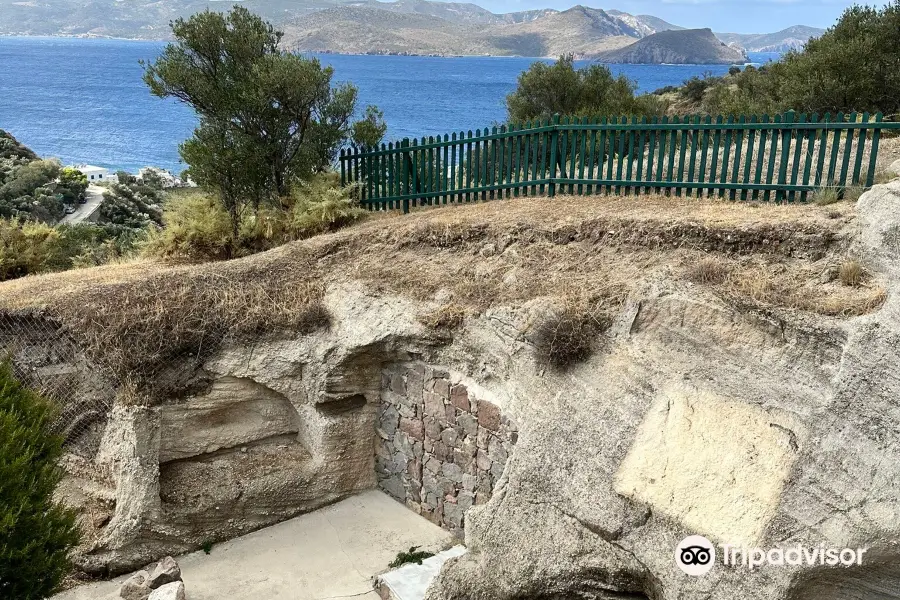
(554, 139)
(786, 135)
(404, 176)
(873, 153)
(343, 170)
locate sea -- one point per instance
(83, 100)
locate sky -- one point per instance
(733, 16)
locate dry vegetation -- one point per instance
(587, 252)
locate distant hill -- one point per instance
(792, 38)
(686, 46)
(372, 26)
(585, 32)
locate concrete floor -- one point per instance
(328, 554)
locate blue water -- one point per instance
(82, 100)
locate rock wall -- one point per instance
(439, 448)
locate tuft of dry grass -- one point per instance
(886, 176)
(852, 193)
(852, 273)
(709, 270)
(446, 317)
(826, 195)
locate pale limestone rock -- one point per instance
(165, 571)
(136, 587)
(170, 591)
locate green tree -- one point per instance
(72, 184)
(222, 160)
(36, 533)
(277, 106)
(546, 89)
(369, 131)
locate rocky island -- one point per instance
(685, 47)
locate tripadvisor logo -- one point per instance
(696, 555)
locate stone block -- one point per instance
(453, 515)
(398, 386)
(433, 465)
(482, 439)
(449, 436)
(497, 450)
(433, 429)
(459, 397)
(415, 385)
(441, 387)
(413, 428)
(389, 419)
(465, 500)
(452, 472)
(441, 451)
(496, 471)
(489, 416)
(483, 461)
(468, 482)
(468, 424)
(434, 406)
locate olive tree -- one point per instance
(268, 117)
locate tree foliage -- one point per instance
(853, 66)
(131, 202)
(593, 91)
(268, 118)
(36, 533)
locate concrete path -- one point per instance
(93, 196)
(329, 554)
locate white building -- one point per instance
(95, 174)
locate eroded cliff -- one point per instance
(734, 376)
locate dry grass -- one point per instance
(591, 252)
(709, 270)
(825, 196)
(446, 317)
(852, 273)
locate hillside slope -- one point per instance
(582, 31)
(791, 38)
(688, 46)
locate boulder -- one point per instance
(166, 571)
(136, 587)
(170, 591)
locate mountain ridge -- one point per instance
(411, 26)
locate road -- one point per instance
(94, 196)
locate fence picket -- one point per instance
(738, 148)
(860, 150)
(682, 153)
(795, 163)
(873, 153)
(848, 148)
(748, 161)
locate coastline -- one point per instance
(325, 53)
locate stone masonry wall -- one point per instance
(439, 448)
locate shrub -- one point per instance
(413, 555)
(568, 336)
(195, 227)
(593, 91)
(36, 534)
(25, 248)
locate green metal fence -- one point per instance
(780, 158)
